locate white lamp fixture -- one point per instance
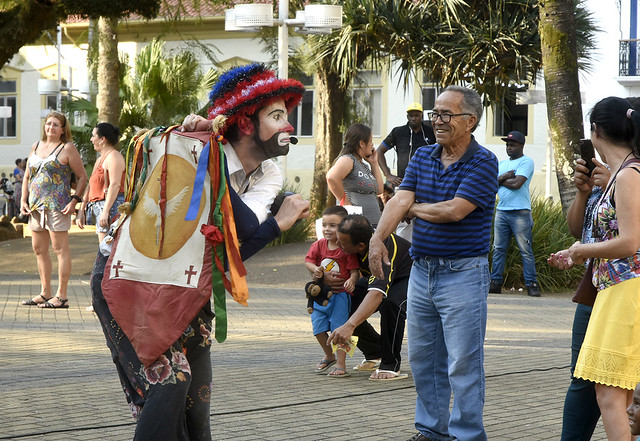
(255, 15)
(48, 87)
(323, 16)
(316, 19)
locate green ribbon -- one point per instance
(219, 295)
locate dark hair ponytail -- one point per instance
(355, 133)
(616, 121)
(108, 131)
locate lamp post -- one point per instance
(314, 19)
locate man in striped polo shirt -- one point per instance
(450, 188)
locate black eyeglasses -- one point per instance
(445, 117)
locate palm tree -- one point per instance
(564, 109)
(159, 90)
(108, 101)
(487, 44)
(166, 87)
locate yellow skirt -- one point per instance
(610, 353)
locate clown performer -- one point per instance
(169, 393)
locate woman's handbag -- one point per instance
(586, 292)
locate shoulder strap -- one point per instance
(59, 149)
(37, 145)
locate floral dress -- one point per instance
(610, 353)
(49, 182)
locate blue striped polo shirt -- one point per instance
(473, 177)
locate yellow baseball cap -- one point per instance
(414, 106)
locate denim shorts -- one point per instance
(96, 209)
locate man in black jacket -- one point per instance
(405, 139)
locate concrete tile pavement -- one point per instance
(57, 381)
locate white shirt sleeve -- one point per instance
(262, 189)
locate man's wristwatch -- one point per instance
(76, 197)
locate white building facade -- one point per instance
(613, 71)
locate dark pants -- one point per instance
(171, 398)
(581, 411)
(393, 314)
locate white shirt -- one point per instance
(258, 189)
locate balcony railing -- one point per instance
(629, 57)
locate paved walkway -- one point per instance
(57, 381)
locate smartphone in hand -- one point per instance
(587, 153)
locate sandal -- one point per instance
(30, 302)
(391, 375)
(337, 372)
(324, 365)
(48, 304)
(367, 365)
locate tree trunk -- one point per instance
(108, 99)
(564, 110)
(330, 102)
(93, 52)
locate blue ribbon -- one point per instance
(198, 184)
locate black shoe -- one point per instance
(419, 437)
(495, 287)
(533, 290)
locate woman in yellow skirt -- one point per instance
(610, 354)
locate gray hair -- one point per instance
(471, 102)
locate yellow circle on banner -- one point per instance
(146, 221)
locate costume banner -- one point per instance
(159, 273)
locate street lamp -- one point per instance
(317, 19)
(55, 87)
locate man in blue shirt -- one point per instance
(450, 189)
(513, 215)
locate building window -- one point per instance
(301, 117)
(8, 98)
(51, 102)
(366, 105)
(429, 92)
(428, 97)
(510, 116)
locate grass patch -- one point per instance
(550, 234)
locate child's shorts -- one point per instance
(330, 317)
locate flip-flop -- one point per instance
(337, 369)
(327, 365)
(394, 375)
(30, 302)
(367, 365)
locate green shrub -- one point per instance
(550, 234)
(301, 230)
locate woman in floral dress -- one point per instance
(610, 353)
(46, 198)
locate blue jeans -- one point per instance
(519, 223)
(581, 411)
(446, 324)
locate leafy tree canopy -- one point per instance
(489, 44)
(23, 21)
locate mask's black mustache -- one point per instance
(293, 140)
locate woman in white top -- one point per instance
(47, 199)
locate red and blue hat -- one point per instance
(244, 90)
